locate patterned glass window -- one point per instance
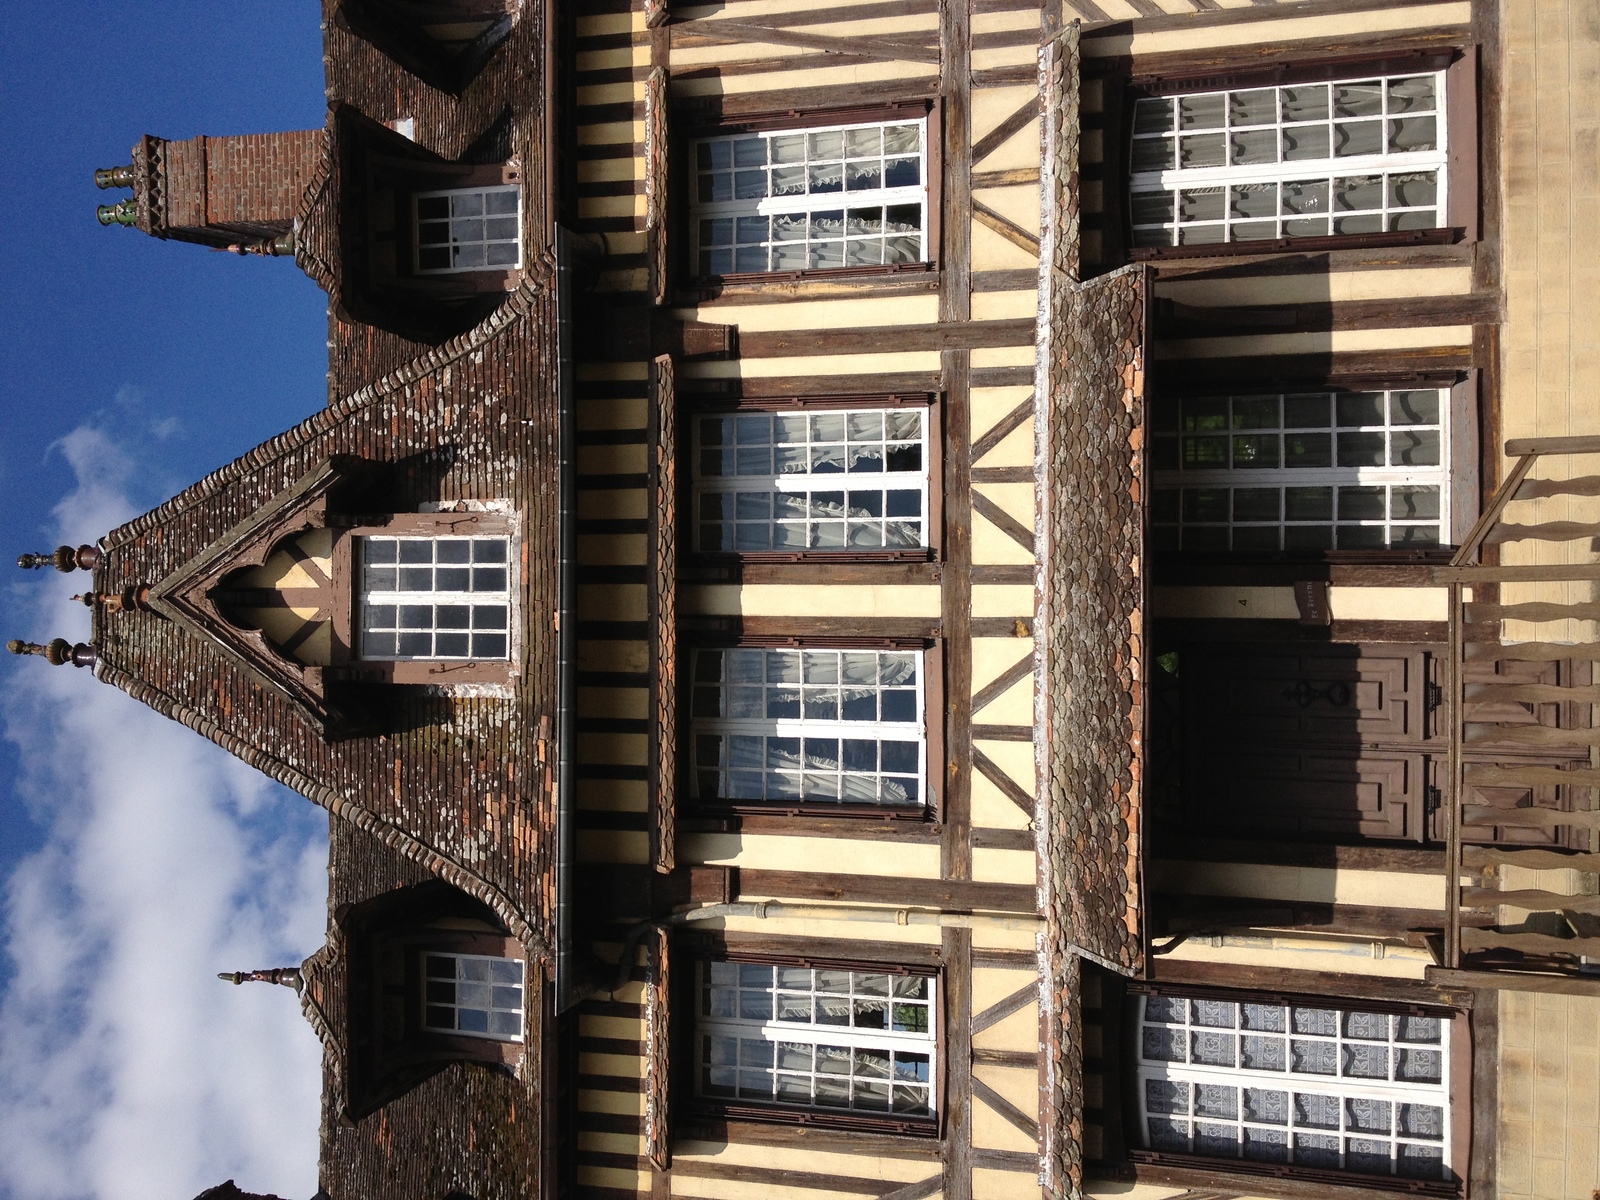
(1328, 1088)
(821, 726)
(805, 199)
(1301, 471)
(469, 229)
(473, 994)
(836, 480)
(855, 1041)
(434, 598)
(1302, 160)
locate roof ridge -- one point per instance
(311, 263)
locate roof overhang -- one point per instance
(1091, 638)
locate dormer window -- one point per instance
(429, 246)
(468, 229)
(473, 995)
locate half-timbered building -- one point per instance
(920, 598)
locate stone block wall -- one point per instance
(1549, 1097)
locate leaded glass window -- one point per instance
(855, 1041)
(1292, 471)
(1351, 156)
(782, 726)
(805, 199)
(468, 229)
(474, 995)
(434, 598)
(1329, 1088)
(839, 480)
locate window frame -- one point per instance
(699, 949)
(1457, 1068)
(1459, 483)
(1332, 477)
(933, 438)
(802, 812)
(458, 956)
(349, 665)
(690, 128)
(1459, 110)
(484, 190)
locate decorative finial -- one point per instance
(288, 977)
(114, 177)
(64, 559)
(276, 247)
(57, 652)
(124, 212)
(137, 597)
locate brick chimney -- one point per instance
(240, 191)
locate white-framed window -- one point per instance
(840, 479)
(806, 199)
(473, 995)
(1350, 156)
(468, 229)
(1317, 1087)
(1315, 470)
(857, 1041)
(434, 598)
(815, 725)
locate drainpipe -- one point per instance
(779, 910)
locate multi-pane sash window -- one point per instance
(1301, 471)
(837, 480)
(434, 598)
(857, 1041)
(1351, 156)
(1316, 1087)
(473, 994)
(469, 229)
(820, 726)
(804, 199)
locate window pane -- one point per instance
(457, 218)
(1280, 149)
(838, 1047)
(420, 609)
(1395, 440)
(459, 999)
(776, 504)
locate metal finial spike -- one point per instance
(288, 977)
(63, 559)
(114, 177)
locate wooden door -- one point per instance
(1316, 742)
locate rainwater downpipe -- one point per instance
(779, 910)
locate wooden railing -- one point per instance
(1523, 836)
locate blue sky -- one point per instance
(137, 859)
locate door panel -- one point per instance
(1334, 694)
(1321, 743)
(1317, 794)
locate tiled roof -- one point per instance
(471, 1129)
(476, 419)
(1091, 636)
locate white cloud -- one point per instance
(127, 1069)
